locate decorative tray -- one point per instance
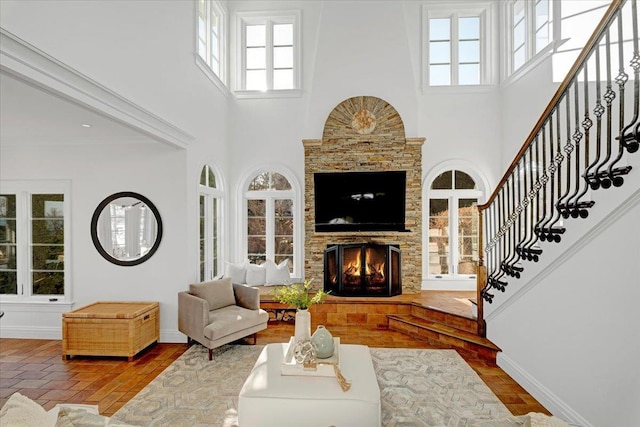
(322, 367)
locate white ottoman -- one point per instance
(269, 399)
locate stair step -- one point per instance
(444, 336)
(436, 315)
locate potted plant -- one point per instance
(299, 296)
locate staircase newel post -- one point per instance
(481, 277)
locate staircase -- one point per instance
(445, 330)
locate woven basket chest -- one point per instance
(110, 329)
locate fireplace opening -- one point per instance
(362, 270)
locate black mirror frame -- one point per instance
(94, 228)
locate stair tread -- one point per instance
(444, 329)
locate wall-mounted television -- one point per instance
(360, 201)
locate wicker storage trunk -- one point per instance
(110, 329)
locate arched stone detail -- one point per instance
(364, 119)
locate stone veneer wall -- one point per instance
(366, 134)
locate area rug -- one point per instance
(418, 387)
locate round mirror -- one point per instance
(126, 228)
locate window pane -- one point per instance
(214, 239)
(467, 236)
(212, 178)
(518, 35)
(283, 34)
(256, 208)
(280, 182)
(202, 224)
(439, 52)
(518, 11)
(256, 58)
(282, 57)
(518, 58)
(255, 35)
(203, 176)
(439, 75)
(444, 181)
(8, 248)
(48, 257)
(48, 283)
(464, 181)
(47, 206)
(542, 37)
(214, 46)
(260, 182)
(439, 29)
(469, 51)
(438, 236)
(283, 239)
(283, 79)
(469, 74)
(542, 12)
(256, 80)
(469, 28)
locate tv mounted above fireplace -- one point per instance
(360, 201)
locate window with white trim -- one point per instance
(270, 232)
(453, 226)
(210, 224)
(269, 52)
(211, 39)
(530, 30)
(34, 239)
(457, 45)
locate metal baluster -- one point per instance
(591, 175)
(631, 134)
(615, 174)
(609, 96)
(572, 206)
(550, 169)
(582, 207)
(562, 205)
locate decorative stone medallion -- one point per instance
(363, 122)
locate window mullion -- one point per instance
(453, 234)
(270, 227)
(455, 41)
(269, 53)
(27, 290)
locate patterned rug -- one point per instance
(417, 388)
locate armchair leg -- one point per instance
(255, 338)
(210, 354)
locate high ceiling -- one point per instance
(30, 115)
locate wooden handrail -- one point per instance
(603, 26)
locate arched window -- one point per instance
(271, 231)
(453, 226)
(210, 224)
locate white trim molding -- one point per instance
(26, 62)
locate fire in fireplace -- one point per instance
(362, 270)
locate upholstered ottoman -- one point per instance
(271, 399)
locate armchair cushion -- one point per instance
(230, 319)
(218, 293)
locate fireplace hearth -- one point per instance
(362, 270)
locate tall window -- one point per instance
(453, 226)
(211, 36)
(457, 46)
(33, 243)
(269, 52)
(270, 219)
(530, 30)
(210, 224)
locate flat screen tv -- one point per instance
(360, 201)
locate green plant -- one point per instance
(298, 295)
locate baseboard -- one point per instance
(549, 400)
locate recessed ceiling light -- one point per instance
(86, 125)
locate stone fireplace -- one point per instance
(363, 134)
(362, 270)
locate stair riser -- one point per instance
(443, 318)
(446, 341)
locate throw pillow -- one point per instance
(256, 274)
(277, 274)
(19, 410)
(236, 272)
(218, 293)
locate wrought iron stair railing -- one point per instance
(578, 146)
